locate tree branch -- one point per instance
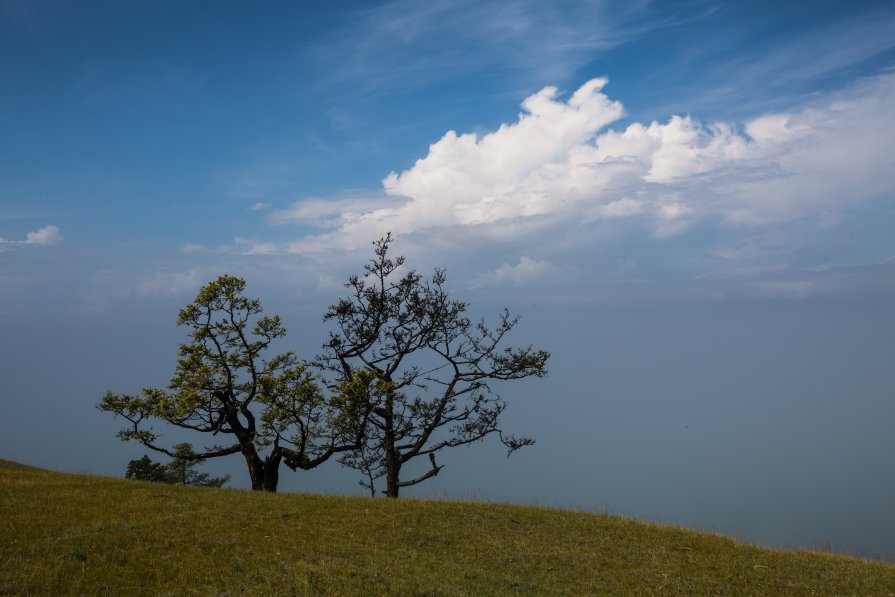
(428, 475)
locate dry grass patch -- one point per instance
(76, 534)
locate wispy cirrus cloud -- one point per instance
(779, 72)
(404, 44)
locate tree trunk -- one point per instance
(392, 473)
(392, 459)
(272, 472)
(265, 474)
(256, 470)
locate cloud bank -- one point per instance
(560, 161)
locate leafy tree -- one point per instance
(145, 469)
(270, 411)
(405, 349)
(179, 471)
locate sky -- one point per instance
(690, 205)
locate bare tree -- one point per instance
(407, 350)
(271, 412)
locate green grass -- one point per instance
(77, 534)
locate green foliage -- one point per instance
(81, 535)
(144, 469)
(270, 411)
(179, 471)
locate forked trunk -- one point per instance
(265, 474)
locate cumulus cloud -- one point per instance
(511, 172)
(560, 160)
(689, 203)
(48, 235)
(621, 208)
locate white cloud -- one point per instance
(511, 172)
(622, 208)
(559, 161)
(681, 199)
(48, 235)
(772, 128)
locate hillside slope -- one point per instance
(77, 534)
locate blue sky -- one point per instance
(591, 165)
(167, 132)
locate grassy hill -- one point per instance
(77, 534)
